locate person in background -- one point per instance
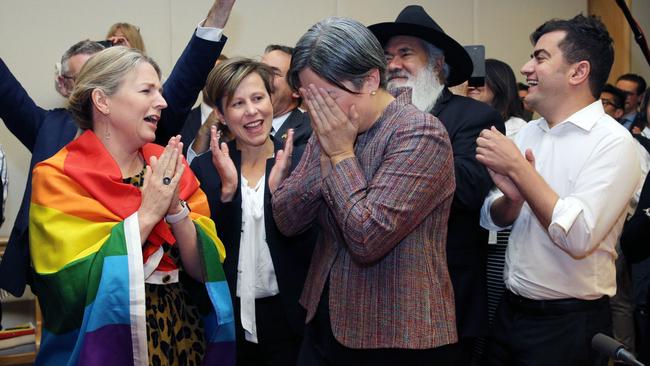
(125, 34)
(633, 85)
(265, 269)
(635, 249)
(643, 126)
(522, 91)
(613, 100)
(127, 261)
(286, 102)
(378, 180)
(500, 92)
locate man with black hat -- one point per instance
(421, 56)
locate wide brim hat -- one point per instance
(414, 21)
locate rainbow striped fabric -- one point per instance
(88, 258)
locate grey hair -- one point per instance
(433, 54)
(86, 47)
(338, 50)
(104, 71)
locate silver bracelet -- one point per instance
(174, 218)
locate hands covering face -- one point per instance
(335, 130)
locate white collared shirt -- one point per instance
(278, 122)
(255, 272)
(591, 162)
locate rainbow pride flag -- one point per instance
(90, 265)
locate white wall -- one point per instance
(641, 11)
(34, 34)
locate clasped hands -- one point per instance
(336, 131)
(161, 182)
(503, 161)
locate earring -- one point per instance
(107, 133)
(373, 93)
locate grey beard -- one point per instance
(425, 88)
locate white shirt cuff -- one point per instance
(565, 213)
(208, 33)
(486, 217)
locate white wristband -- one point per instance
(172, 219)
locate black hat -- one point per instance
(414, 21)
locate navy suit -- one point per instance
(290, 255)
(190, 128)
(465, 118)
(299, 121)
(44, 132)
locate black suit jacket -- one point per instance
(190, 128)
(465, 118)
(290, 255)
(299, 121)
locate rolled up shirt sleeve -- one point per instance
(486, 218)
(582, 219)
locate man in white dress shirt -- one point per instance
(561, 193)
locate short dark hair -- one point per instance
(618, 94)
(500, 78)
(279, 47)
(586, 39)
(638, 79)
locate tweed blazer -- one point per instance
(383, 227)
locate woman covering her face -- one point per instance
(378, 180)
(127, 260)
(265, 269)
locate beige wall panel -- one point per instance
(253, 24)
(504, 26)
(454, 16)
(638, 64)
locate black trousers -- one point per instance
(278, 344)
(547, 332)
(320, 348)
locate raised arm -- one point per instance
(18, 110)
(191, 71)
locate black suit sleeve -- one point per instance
(635, 240)
(184, 84)
(473, 181)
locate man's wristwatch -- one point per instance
(172, 219)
